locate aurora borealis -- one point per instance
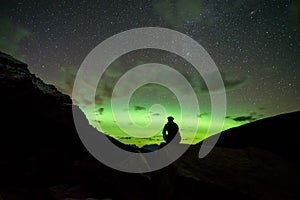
(255, 45)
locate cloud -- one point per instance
(251, 117)
(66, 86)
(260, 115)
(11, 36)
(253, 113)
(155, 91)
(244, 118)
(294, 14)
(114, 70)
(156, 114)
(230, 82)
(67, 82)
(176, 13)
(106, 84)
(101, 110)
(124, 138)
(202, 114)
(139, 108)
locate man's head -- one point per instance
(170, 118)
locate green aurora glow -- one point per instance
(102, 117)
(106, 123)
(139, 109)
(141, 115)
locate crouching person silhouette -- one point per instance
(170, 131)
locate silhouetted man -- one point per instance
(172, 129)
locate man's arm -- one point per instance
(164, 131)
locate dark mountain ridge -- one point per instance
(278, 134)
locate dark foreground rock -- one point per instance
(41, 156)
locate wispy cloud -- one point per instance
(11, 36)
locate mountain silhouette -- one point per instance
(42, 157)
(278, 134)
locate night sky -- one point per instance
(255, 45)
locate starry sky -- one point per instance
(255, 45)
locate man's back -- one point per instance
(172, 129)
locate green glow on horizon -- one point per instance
(139, 109)
(140, 114)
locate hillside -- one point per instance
(278, 134)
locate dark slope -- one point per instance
(41, 156)
(38, 140)
(260, 159)
(278, 134)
